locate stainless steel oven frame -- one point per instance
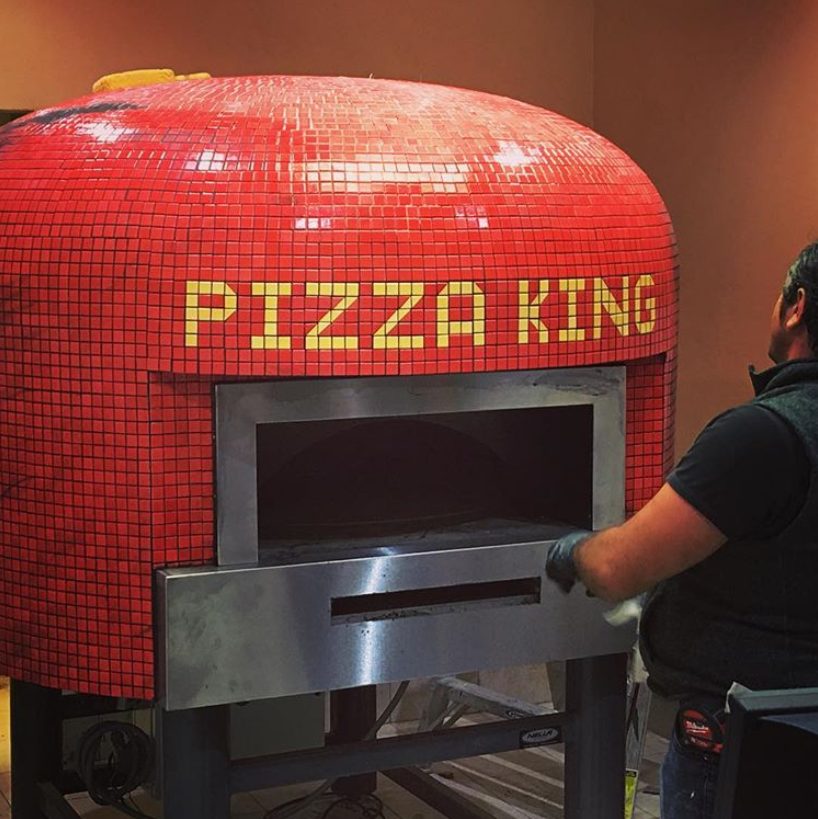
(250, 628)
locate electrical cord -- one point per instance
(295, 806)
(369, 805)
(129, 765)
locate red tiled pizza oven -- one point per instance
(158, 240)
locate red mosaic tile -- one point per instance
(158, 239)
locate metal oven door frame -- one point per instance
(241, 407)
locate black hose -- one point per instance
(129, 765)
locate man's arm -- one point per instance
(665, 537)
(746, 476)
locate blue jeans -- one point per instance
(688, 783)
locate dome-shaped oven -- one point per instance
(157, 239)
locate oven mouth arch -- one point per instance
(379, 476)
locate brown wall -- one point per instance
(536, 50)
(715, 102)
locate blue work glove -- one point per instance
(559, 564)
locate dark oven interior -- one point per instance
(348, 478)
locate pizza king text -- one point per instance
(413, 315)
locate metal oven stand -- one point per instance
(198, 778)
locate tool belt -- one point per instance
(701, 724)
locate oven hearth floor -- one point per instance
(518, 785)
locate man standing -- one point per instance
(729, 549)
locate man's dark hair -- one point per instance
(804, 274)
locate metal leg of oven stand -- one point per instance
(195, 763)
(353, 712)
(36, 745)
(596, 692)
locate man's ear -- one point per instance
(795, 312)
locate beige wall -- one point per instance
(536, 50)
(715, 101)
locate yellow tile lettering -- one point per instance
(572, 332)
(645, 318)
(476, 328)
(618, 312)
(528, 311)
(271, 292)
(347, 294)
(383, 338)
(196, 313)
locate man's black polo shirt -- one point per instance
(747, 473)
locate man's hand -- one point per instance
(666, 537)
(560, 565)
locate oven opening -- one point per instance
(352, 478)
(436, 600)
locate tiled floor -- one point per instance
(518, 785)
